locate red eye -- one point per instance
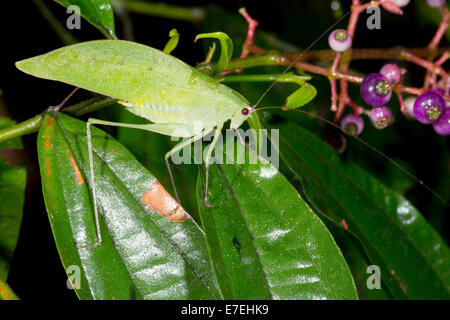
(245, 111)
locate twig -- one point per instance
(32, 125)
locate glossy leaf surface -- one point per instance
(143, 255)
(413, 258)
(264, 240)
(12, 198)
(99, 13)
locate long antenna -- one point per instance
(297, 59)
(434, 193)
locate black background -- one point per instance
(36, 271)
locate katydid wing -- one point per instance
(178, 99)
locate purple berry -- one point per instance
(438, 91)
(352, 124)
(400, 3)
(381, 117)
(409, 111)
(435, 3)
(340, 40)
(392, 72)
(376, 90)
(429, 106)
(442, 126)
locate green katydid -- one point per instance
(179, 100)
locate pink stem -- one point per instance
(334, 95)
(252, 24)
(430, 66)
(445, 56)
(248, 44)
(401, 101)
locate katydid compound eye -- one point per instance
(245, 111)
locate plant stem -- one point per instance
(6, 292)
(441, 30)
(194, 14)
(368, 54)
(33, 124)
(23, 128)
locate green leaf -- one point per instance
(99, 13)
(358, 263)
(301, 96)
(12, 197)
(226, 44)
(413, 258)
(263, 239)
(173, 41)
(143, 254)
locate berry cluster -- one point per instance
(430, 107)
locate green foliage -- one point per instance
(308, 231)
(392, 232)
(13, 143)
(226, 52)
(301, 97)
(12, 197)
(173, 41)
(143, 255)
(99, 13)
(264, 241)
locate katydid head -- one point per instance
(241, 115)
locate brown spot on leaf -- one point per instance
(47, 144)
(344, 224)
(78, 175)
(49, 122)
(47, 136)
(157, 198)
(47, 165)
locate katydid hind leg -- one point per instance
(158, 128)
(93, 188)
